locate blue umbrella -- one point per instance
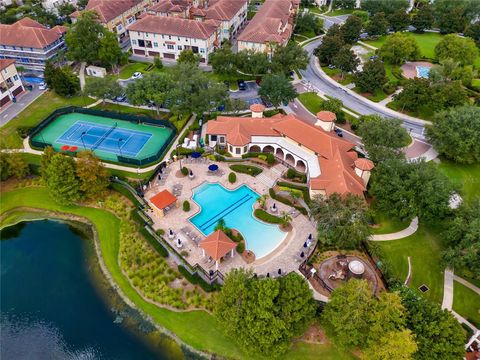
(213, 167)
(196, 155)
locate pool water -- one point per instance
(423, 71)
(236, 209)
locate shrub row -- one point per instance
(152, 241)
(197, 280)
(270, 158)
(303, 189)
(295, 175)
(269, 218)
(232, 178)
(246, 169)
(286, 201)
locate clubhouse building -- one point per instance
(330, 163)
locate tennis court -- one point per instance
(107, 137)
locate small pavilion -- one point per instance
(217, 245)
(163, 201)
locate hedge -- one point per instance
(293, 174)
(241, 247)
(246, 169)
(184, 171)
(270, 156)
(197, 280)
(303, 189)
(269, 218)
(232, 177)
(286, 201)
(186, 206)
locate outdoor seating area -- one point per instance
(186, 239)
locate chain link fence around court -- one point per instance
(40, 143)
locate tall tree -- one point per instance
(92, 175)
(399, 20)
(451, 16)
(342, 222)
(450, 70)
(383, 138)
(277, 89)
(415, 94)
(423, 19)
(399, 48)
(372, 77)
(385, 6)
(252, 62)
(83, 38)
(452, 46)
(448, 94)
(288, 58)
(13, 165)
(455, 133)
(399, 345)
(103, 88)
(329, 47)
(59, 176)
(437, 333)
(378, 25)
(351, 29)
(307, 22)
(187, 56)
(223, 60)
(345, 60)
(153, 87)
(344, 4)
(110, 54)
(473, 31)
(65, 82)
(263, 315)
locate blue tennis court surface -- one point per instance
(112, 139)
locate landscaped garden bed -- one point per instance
(246, 169)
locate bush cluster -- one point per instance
(246, 169)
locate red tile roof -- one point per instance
(108, 10)
(174, 26)
(224, 10)
(5, 63)
(269, 22)
(326, 116)
(164, 6)
(217, 245)
(257, 108)
(163, 199)
(29, 33)
(364, 164)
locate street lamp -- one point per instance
(119, 147)
(83, 142)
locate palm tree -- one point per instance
(262, 201)
(286, 218)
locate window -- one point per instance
(179, 47)
(238, 150)
(202, 50)
(15, 77)
(155, 44)
(222, 139)
(245, 148)
(170, 47)
(230, 148)
(146, 34)
(169, 37)
(214, 138)
(134, 42)
(178, 38)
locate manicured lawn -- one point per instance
(466, 302)
(231, 78)
(387, 225)
(424, 112)
(197, 328)
(35, 113)
(465, 177)
(336, 75)
(311, 101)
(378, 96)
(128, 70)
(424, 248)
(304, 351)
(338, 12)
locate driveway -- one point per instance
(312, 75)
(23, 101)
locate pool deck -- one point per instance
(409, 69)
(285, 256)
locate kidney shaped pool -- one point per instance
(235, 207)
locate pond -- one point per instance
(54, 301)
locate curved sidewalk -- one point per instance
(411, 229)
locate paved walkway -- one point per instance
(82, 75)
(411, 229)
(447, 302)
(467, 284)
(316, 295)
(23, 101)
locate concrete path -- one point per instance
(23, 101)
(409, 275)
(411, 229)
(316, 295)
(467, 284)
(82, 75)
(462, 320)
(447, 302)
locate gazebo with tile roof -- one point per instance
(217, 245)
(163, 201)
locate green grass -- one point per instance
(128, 70)
(197, 328)
(424, 248)
(246, 169)
(338, 12)
(311, 101)
(336, 75)
(378, 96)
(388, 225)
(231, 78)
(425, 112)
(35, 113)
(466, 302)
(465, 177)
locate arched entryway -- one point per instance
(290, 159)
(279, 153)
(301, 167)
(255, 148)
(268, 149)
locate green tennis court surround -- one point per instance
(113, 137)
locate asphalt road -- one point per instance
(312, 75)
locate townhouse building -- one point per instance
(31, 44)
(167, 37)
(10, 82)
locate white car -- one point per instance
(137, 75)
(42, 86)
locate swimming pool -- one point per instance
(422, 71)
(236, 209)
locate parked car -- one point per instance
(339, 132)
(241, 85)
(121, 98)
(374, 57)
(137, 75)
(42, 86)
(331, 67)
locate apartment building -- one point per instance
(167, 37)
(10, 82)
(116, 15)
(30, 44)
(271, 26)
(229, 15)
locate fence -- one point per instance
(136, 119)
(209, 277)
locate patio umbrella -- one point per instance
(268, 275)
(191, 173)
(274, 207)
(305, 244)
(171, 232)
(310, 237)
(74, 148)
(302, 255)
(196, 155)
(213, 167)
(65, 147)
(279, 271)
(179, 242)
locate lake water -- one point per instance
(51, 309)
